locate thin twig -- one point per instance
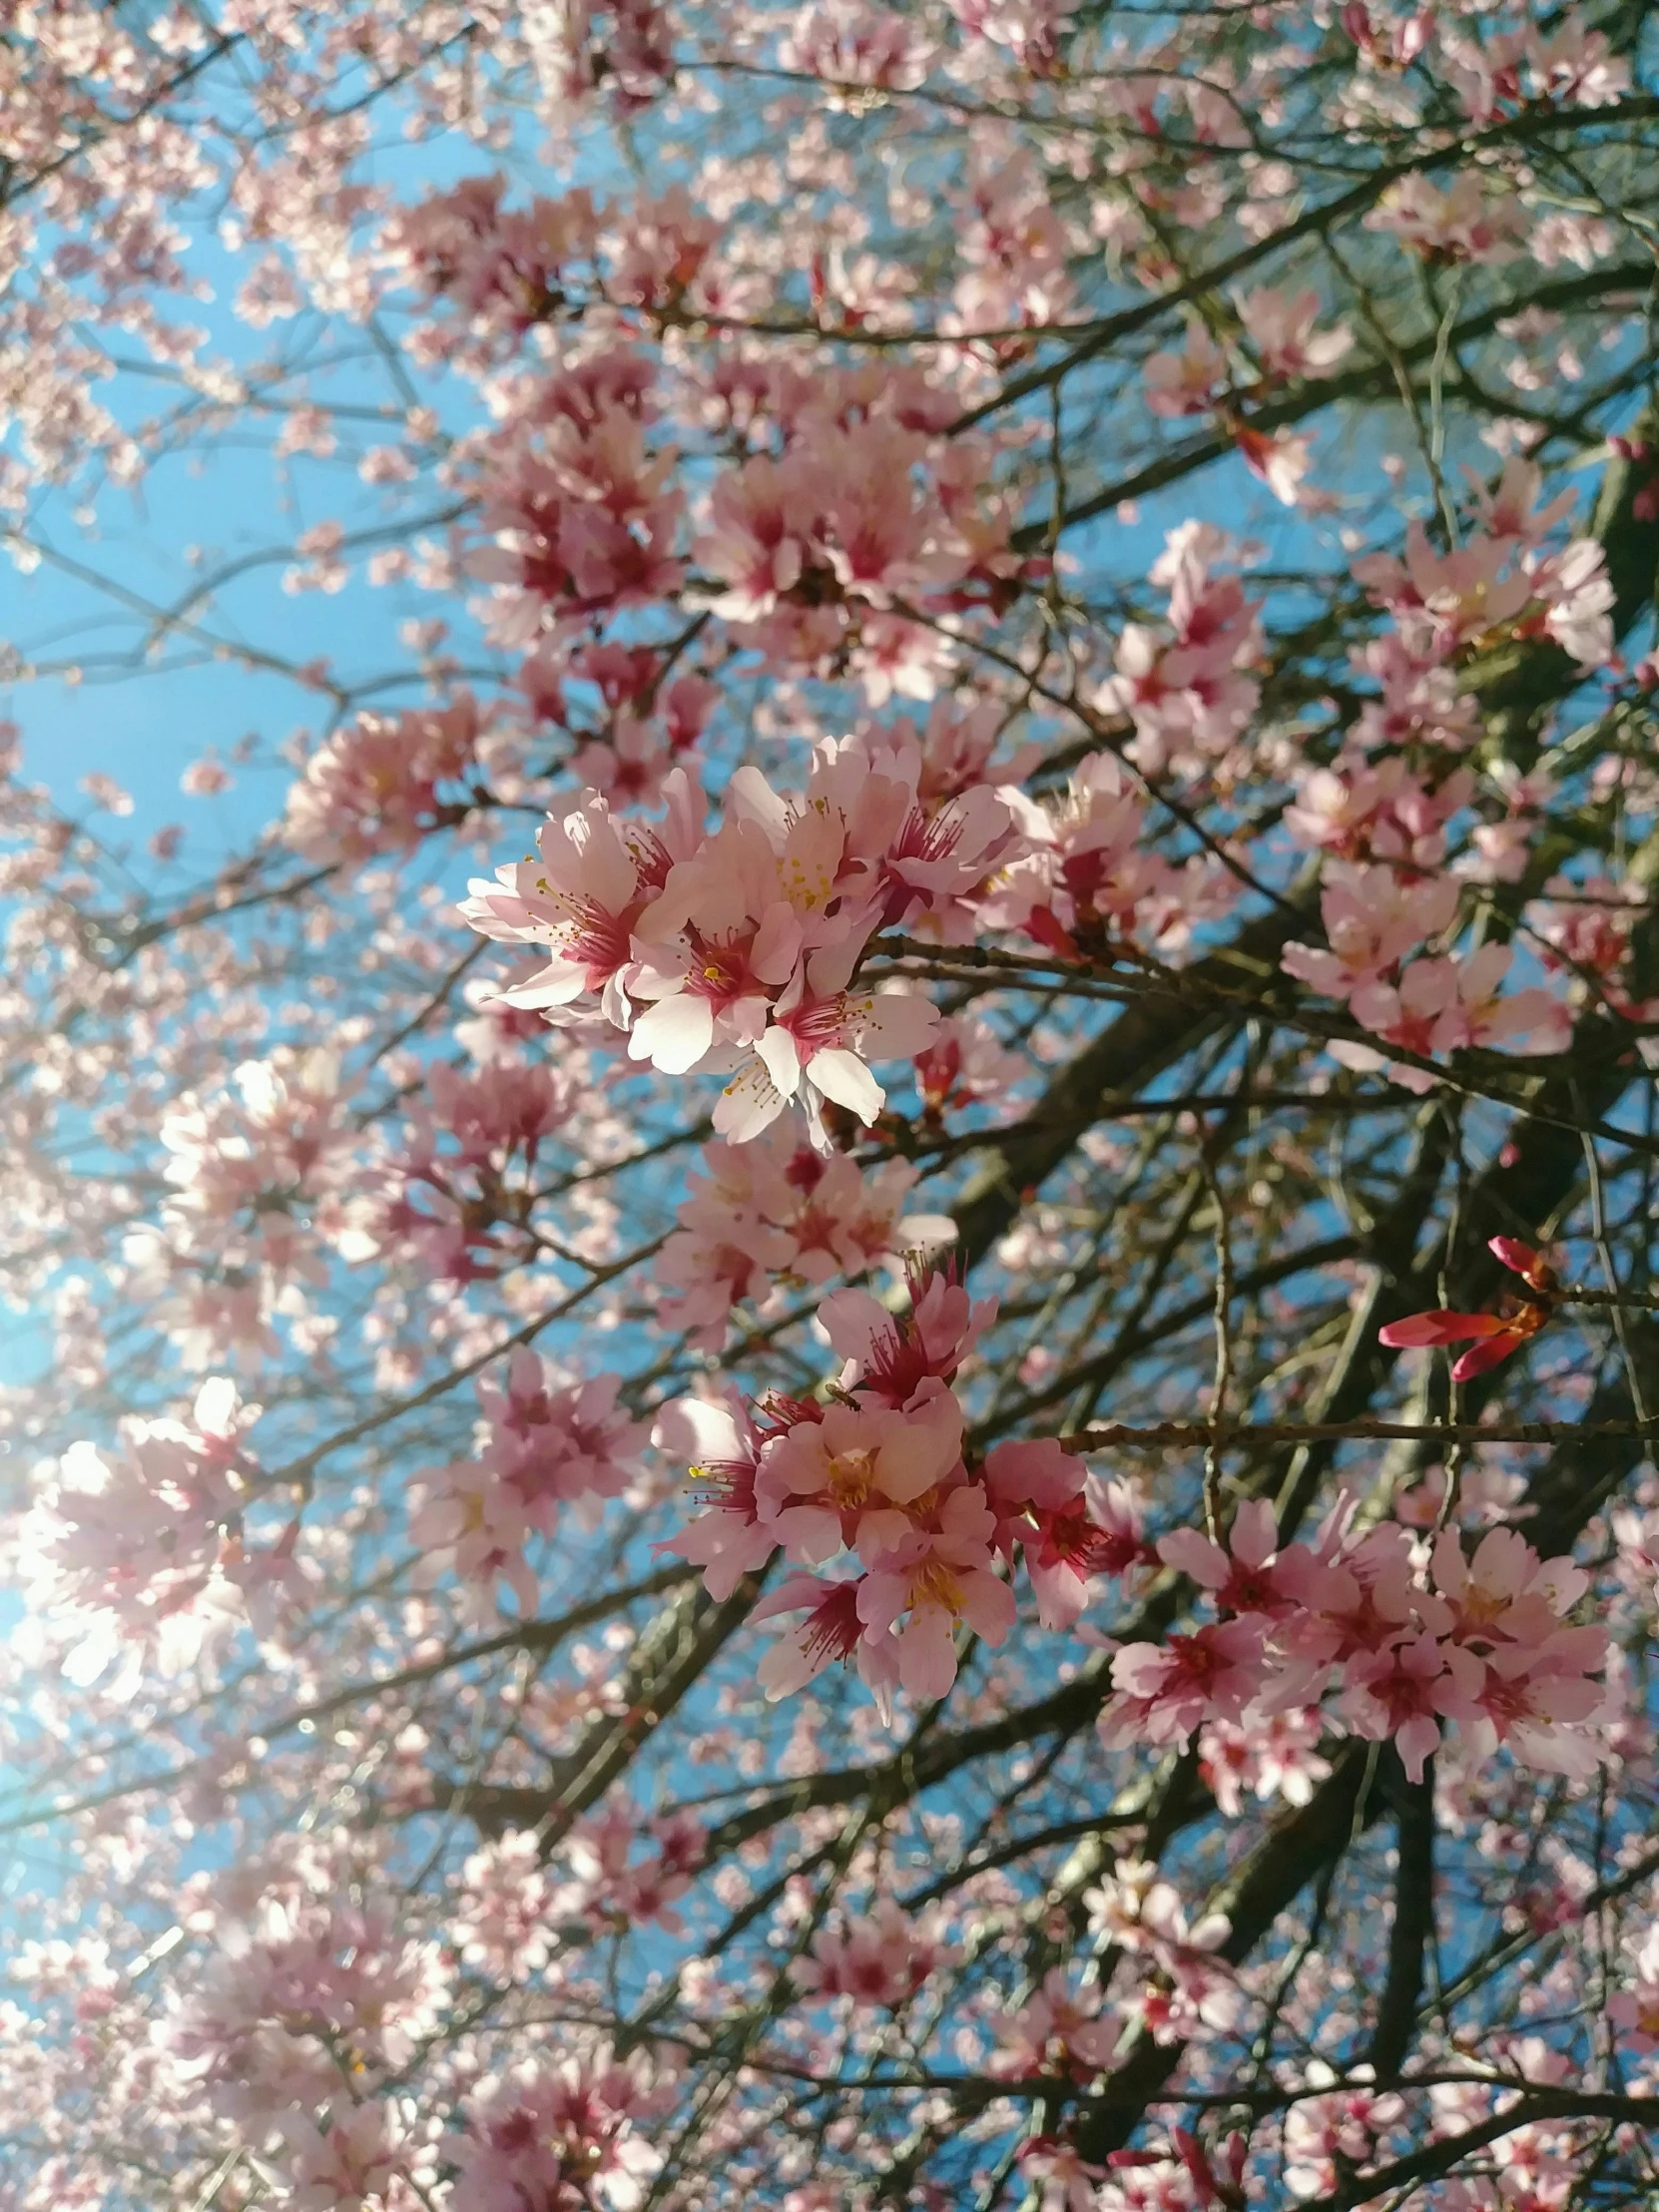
(1203, 1434)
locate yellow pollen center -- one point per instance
(934, 1584)
(1482, 1606)
(851, 1479)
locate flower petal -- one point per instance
(843, 1077)
(1489, 1354)
(1439, 1328)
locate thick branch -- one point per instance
(1413, 1920)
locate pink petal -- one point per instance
(1489, 1354)
(988, 1605)
(1520, 1257)
(1193, 1554)
(1414, 1742)
(1439, 1328)
(927, 1654)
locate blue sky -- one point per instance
(225, 501)
(231, 500)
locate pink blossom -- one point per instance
(1141, 1911)
(845, 1478)
(819, 1047)
(1184, 683)
(540, 2132)
(557, 1441)
(1354, 1596)
(1184, 383)
(722, 1448)
(1281, 460)
(1280, 326)
(1510, 508)
(1537, 1701)
(501, 1916)
(774, 1210)
(937, 1577)
(831, 1631)
(965, 1063)
(1504, 1594)
(881, 532)
(846, 43)
(1635, 2008)
(1165, 1691)
(896, 1358)
(1346, 2125)
(364, 2151)
(1444, 1006)
(466, 1519)
(761, 520)
(1403, 1692)
(1270, 1754)
(1057, 2030)
(135, 1551)
(1012, 243)
(1445, 601)
(1183, 1989)
(582, 901)
(305, 1996)
(1046, 1506)
(1373, 915)
(1467, 222)
(1067, 2180)
(880, 1957)
(1507, 1609)
(505, 1108)
(1587, 930)
(1240, 1578)
(1362, 811)
(1577, 594)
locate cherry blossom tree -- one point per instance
(735, 1477)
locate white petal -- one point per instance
(693, 1429)
(843, 1077)
(554, 985)
(916, 1230)
(749, 1103)
(216, 1406)
(674, 1034)
(777, 1049)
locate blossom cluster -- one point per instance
(374, 786)
(878, 1957)
(305, 2013)
(775, 1211)
(735, 951)
(1486, 1643)
(456, 1194)
(1381, 812)
(869, 544)
(138, 1553)
(543, 1445)
(879, 1476)
(260, 1175)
